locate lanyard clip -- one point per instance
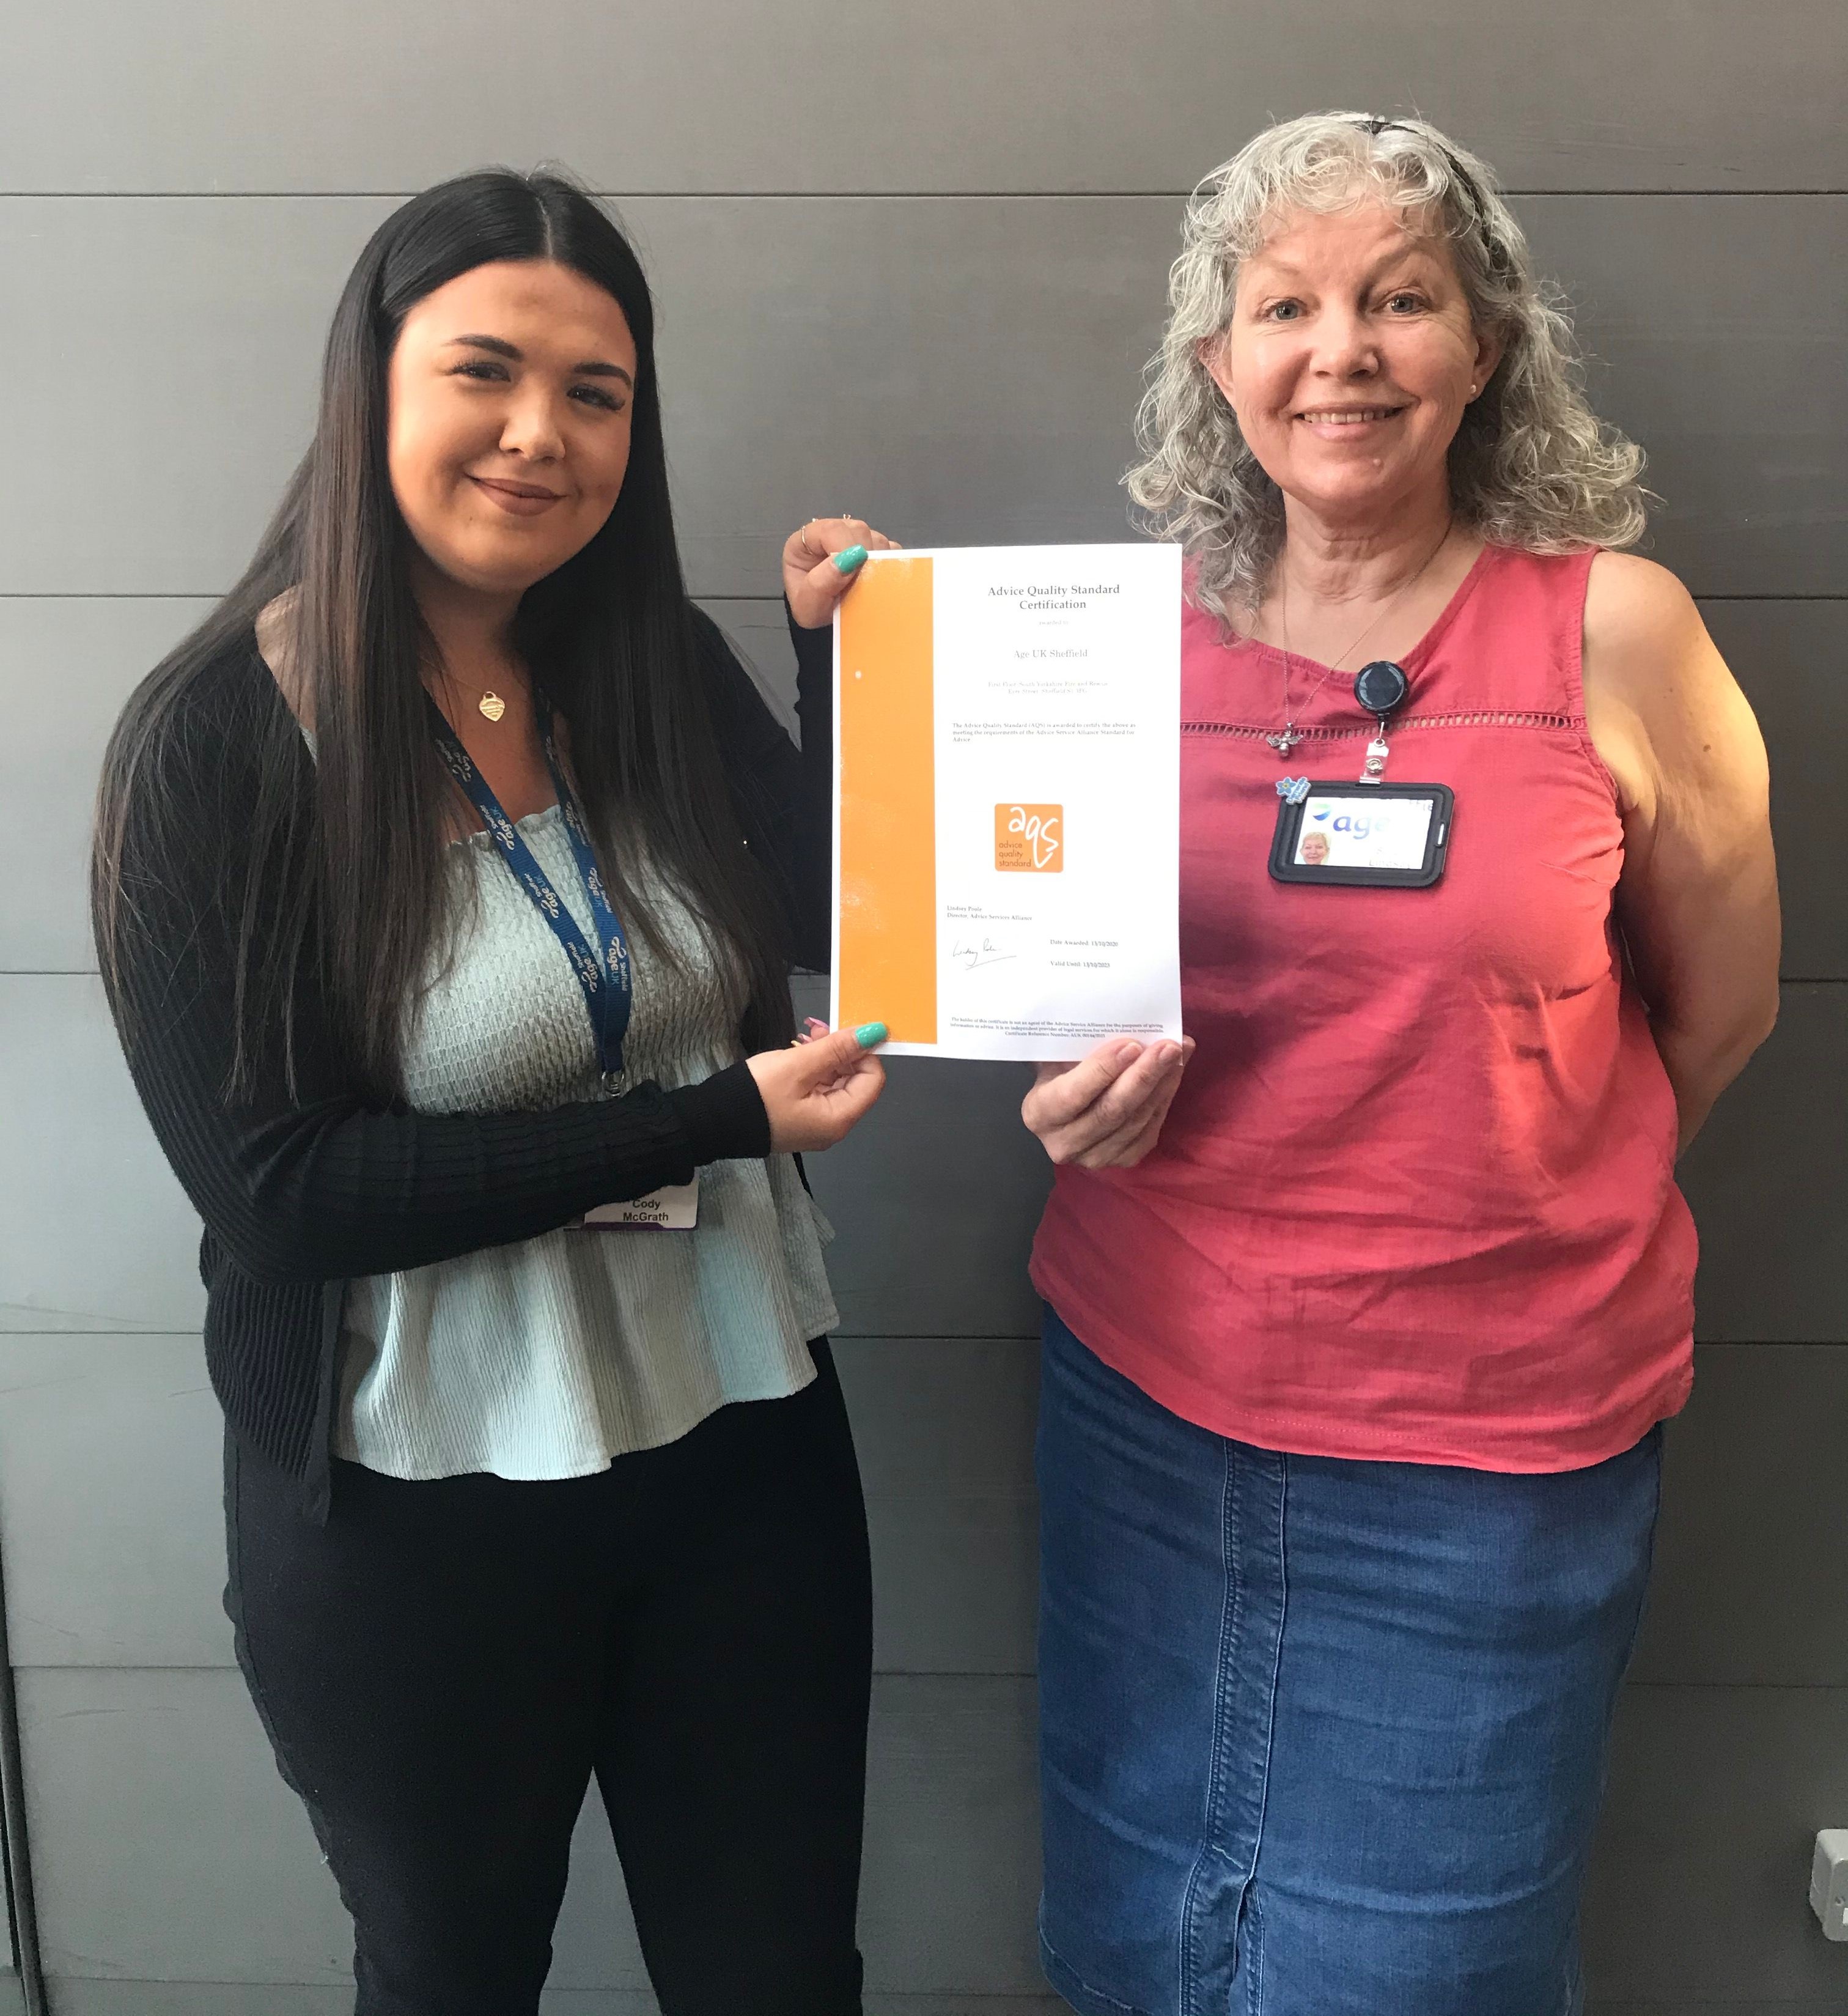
(1373, 770)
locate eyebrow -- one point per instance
(1417, 249)
(498, 346)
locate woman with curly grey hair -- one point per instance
(1363, 1315)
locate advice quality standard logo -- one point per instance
(1030, 839)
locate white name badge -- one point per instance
(675, 1208)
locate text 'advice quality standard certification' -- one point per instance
(1007, 739)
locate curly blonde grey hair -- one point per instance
(1531, 466)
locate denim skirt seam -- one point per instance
(1251, 1957)
(1214, 1816)
(1248, 1932)
(1074, 1989)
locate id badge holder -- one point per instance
(674, 1208)
(1368, 836)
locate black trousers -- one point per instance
(444, 1666)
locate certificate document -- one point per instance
(1007, 725)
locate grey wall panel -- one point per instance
(1722, 420)
(955, 370)
(170, 1850)
(12, 1997)
(223, 309)
(935, 1198)
(951, 1887)
(165, 1844)
(1767, 1178)
(1046, 94)
(98, 1235)
(1754, 1528)
(1830, 2006)
(111, 1502)
(598, 2002)
(1696, 1893)
(111, 1514)
(1791, 658)
(595, 1946)
(66, 668)
(67, 665)
(72, 1996)
(944, 1429)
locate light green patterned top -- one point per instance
(547, 1358)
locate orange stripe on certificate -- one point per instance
(887, 968)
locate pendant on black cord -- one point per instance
(1381, 687)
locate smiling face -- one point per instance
(511, 390)
(1350, 360)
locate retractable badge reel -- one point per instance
(1391, 835)
(1380, 688)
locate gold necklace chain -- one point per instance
(1287, 738)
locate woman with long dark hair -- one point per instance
(446, 883)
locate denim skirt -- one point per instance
(1319, 1737)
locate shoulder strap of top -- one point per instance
(1515, 644)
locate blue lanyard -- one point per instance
(603, 975)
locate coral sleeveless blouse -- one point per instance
(1415, 1199)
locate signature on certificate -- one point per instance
(987, 953)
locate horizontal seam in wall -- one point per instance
(963, 1673)
(955, 1997)
(824, 196)
(768, 601)
(127, 1336)
(1025, 1339)
(1019, 1336)
(1769, 1343)
(1734, 1687)
(90, 972)
(226, 1666)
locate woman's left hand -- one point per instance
(819, 563)
(1105, 1112)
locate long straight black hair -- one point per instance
(352, 883)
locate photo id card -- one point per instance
(674, 1208)
(1397, 836)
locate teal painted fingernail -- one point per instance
(869, 1033)
(849, 558)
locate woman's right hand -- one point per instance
(820, 1087)
(1105, 1111)
(822, 561)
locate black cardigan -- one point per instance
(300, 1191)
